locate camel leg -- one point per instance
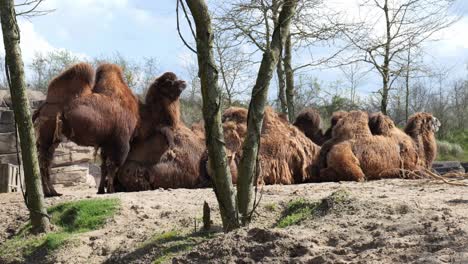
(102, 182)
(111, 172)
(342, 165)
(45, 159)
(117, 154)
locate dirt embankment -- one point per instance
(388, 221)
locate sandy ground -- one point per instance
(387, 221)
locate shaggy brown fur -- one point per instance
(421, 127)
(104, 117)
(381, 124)
(166, 153)
(308, 121)
(286, 155)
(359, 155)
(74, 82)
(107, 119)
(329, 141)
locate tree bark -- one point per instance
(11, 40)
(248, 164)
(281, 86)
(407, 92)
(211, 95)
(386, 63)
(289, 79)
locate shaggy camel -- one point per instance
(308, 121)
(358, 154)
(165, 154)
(104, 116)
(421, 127)
(286, 155)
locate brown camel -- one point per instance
(104, 117)
(421, 127)
(286, 155)
(165, 154)
(359, 155)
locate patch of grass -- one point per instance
(172, 243)
(271, 207)
(83, 216)
(69, 218)
(299, 210)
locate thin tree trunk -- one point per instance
(211, 94)
(407, 94)
(281, 86)
(11, 40)
(386, 63)
(248, 164)
(279, 66)
(289, 78)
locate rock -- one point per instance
(90, 181)
(7, 121)
(35, 98)
(70, 175)
(443, 167)
(8, 143)
(68, 153)
(9, 158)
(465, 166)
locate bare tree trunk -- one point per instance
(386, 63)
(248, 164)
(281, 86)
(289, 78)
(211, 94)
(407, 92)
(11, 40)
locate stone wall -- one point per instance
(71, 163)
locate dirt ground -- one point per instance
(386, 221)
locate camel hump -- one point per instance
(74, 81)
(110, 81)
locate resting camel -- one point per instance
(165, 153)
(102, 114)
(286, 155)
(358, 154)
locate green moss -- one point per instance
(296, 211)
(172, 243)
(69, 218)
(299, 210)
(84, 215)
(270, 207)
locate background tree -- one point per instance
(400, 26)
(251, 23)
(248, 166)
(211, 95)
(15, 69)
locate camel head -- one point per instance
(422, 123)
(308, 118)
(235, 114)
(380, 124)
(167, 86)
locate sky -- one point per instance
(147, 28)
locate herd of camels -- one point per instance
(146, 145)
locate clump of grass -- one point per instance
(69, 218)
(299, 210)
(172, 243)
(271, 207)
